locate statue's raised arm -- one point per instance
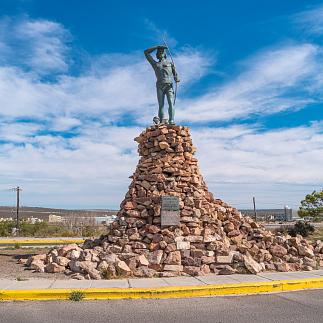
(165, 72)
(147, 53)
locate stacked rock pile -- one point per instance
(211, 236)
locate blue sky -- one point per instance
(75, 90)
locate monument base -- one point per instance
(169, 224)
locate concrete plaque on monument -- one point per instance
(170, 210)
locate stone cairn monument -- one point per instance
(169, 224)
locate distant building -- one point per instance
(33, 220)
(53, 218)
(6, 219)
(285, 214)
(105, 219)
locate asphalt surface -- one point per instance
(303, 307)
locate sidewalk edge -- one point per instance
(165, 292)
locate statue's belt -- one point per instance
(164, 85)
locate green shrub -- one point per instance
(45, 229)
(312, 206)
(89, 231)
(105, 274)
(76, 296)
(6, 228)
(302, 228)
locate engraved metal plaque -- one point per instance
(170, 214)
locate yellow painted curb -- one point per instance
(39, 241)
(165, 292)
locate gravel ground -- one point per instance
(10, 269)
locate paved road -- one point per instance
(302, 307)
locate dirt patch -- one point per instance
(10, 269)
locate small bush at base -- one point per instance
(76, 296)
(302, 228)
(106, 274)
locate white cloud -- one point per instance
(247, 155)
(310, 21)
(39, 46)
(266, 86)
(117, 84)
(92, 168)
(65, 123)
(158, 35)
(192, 65)
(100, 158)
(278, 167)
(18, 132)
(110, 89)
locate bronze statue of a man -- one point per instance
(165, 73)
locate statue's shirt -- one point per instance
(164, 70)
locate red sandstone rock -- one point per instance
(54, 268)
(177, 268)
(37, 266)
(278, 251)
(173, 258)
(122, 268)
(252, 265)
(64, 250)
(31, 259)
(62, 261)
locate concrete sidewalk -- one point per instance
(208, 280)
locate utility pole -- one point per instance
(17, 189)
(254, 208)
(285, 212)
